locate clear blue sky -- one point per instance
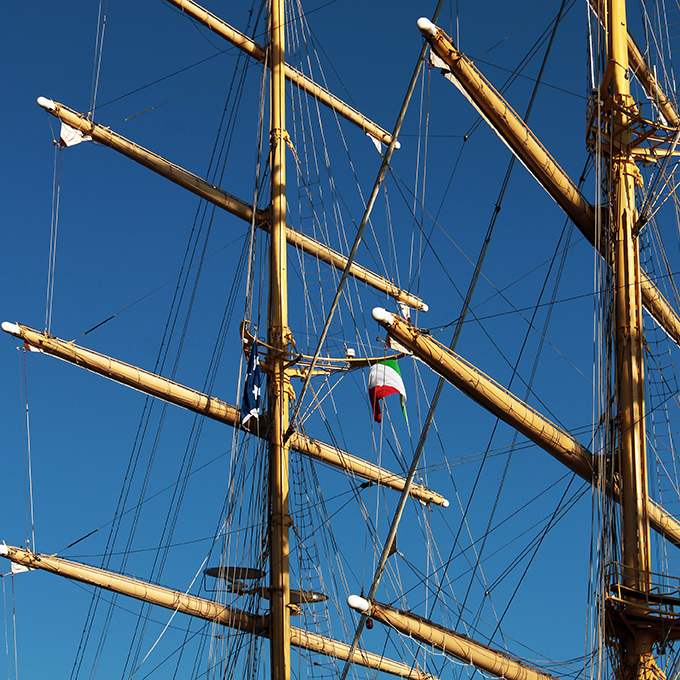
(123, 233)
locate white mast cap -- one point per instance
(382, 316)
(11, 328)
(426, 27)
(47, 104)
(359, 604)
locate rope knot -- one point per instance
(278, 135)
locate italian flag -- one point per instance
(384, 378)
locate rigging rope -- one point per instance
(603, 541)
(172, 616)
(54, 224)
(187, 266)
(14, 626)
(416, 458)
(190, 451)
(538, 354)
(98, 51)
(28, 465)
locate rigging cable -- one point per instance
(4, 612)
(417, 170)
(14, 624)
(54, 223)
(514, 75)
(537, 356)
(172, 616)
(28, 467)
(98, 50)
(218, 158)
(310, 188)
(172, 320)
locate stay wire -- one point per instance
(559, 512)
(499, 292)
(528, 392)
(514, 74)
(173, 316)
(529, 386)
(143, 425)
(54, 224)
(512, 77)
(515, 514)
(14, 626)
(219, 155)
(4, 613)
(30, 519)
(98, 50)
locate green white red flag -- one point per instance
(384, 379)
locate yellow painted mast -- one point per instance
(623, 175)
(278, 338)
(631, 646)
(636, 621)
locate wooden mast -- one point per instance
(278, 337)
(631, 648)
(623, 175)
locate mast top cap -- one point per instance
(47, 104)
(382, 316)
(359, 604)
(11, 328)
(426, 27)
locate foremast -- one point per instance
(278, 338)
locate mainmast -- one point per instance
(278, 338)
(632, 648)
(623, 175)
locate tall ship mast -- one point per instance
(395, 320)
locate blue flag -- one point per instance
(250, 404)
